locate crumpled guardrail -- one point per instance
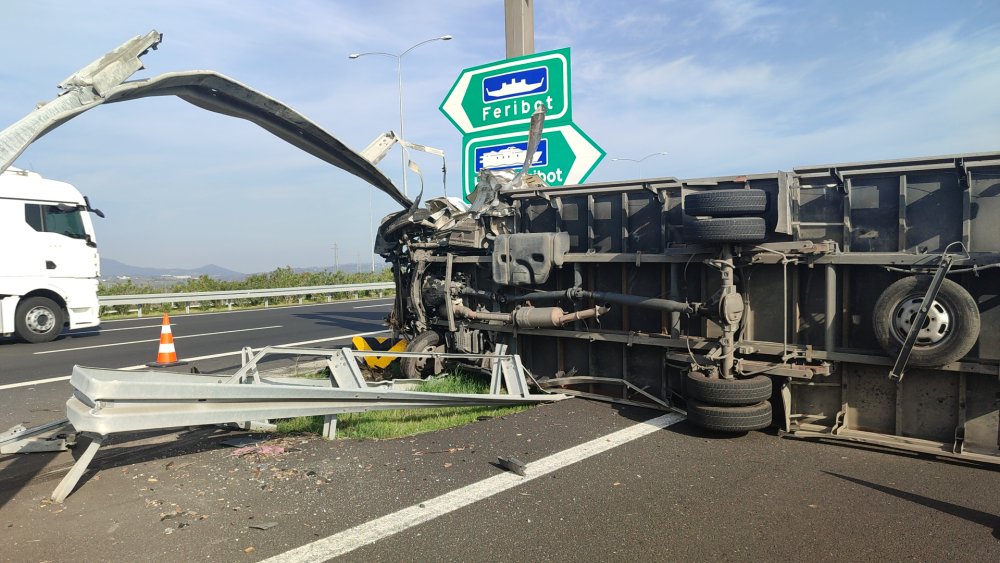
(108, 401)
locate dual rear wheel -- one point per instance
(729, 405)
(726, 216)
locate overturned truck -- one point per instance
(853, 302)
(857, 301)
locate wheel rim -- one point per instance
(40, 320)
(423, 362)
(936, 326)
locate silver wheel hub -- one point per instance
(424, 362)
(935, 328)
(40, 320)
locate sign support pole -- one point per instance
(519, 17)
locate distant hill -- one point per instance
(115, 269)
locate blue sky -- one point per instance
(724, 86)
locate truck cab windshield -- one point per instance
(52, 219)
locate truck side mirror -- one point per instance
(97, 212)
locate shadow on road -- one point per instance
(338, 319)
(25, 469)
(969, 514)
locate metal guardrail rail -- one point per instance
(230, 296)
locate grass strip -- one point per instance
(397, 423)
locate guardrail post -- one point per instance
(229, 305)
(187, 308)
(329, 297)
(301, 300)
(330, 427)
(266, 303)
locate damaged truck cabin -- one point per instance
(851, 301)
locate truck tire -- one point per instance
(38, 319)
(726, 203)
(951, 328)
(728, 229)
(730, 419)
(419, 368)
(728, 392)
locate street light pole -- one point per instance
(402, 149)
(639, 162)
(399, 81)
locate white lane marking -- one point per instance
(208, 357)
(370, 532)
(35, 382)
(157, 325)
(157, 339)
(370, 306)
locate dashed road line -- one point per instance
(157, 339)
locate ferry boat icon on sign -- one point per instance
(525, 82)
(510, 155)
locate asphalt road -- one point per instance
(675, 494)
(134, 342)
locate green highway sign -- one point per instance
(565, 155)
(505, 93)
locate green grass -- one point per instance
(382, 425)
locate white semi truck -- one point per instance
(49, 265)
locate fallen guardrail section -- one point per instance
(108, 401)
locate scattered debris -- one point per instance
(512, 464)
(243, 441)
(263, 526)
(259, 450)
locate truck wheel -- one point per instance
(728, 229)
(728, 392)
(419, 368)
(949, 332)
(726, 203)
(38, 319)
(730, 419)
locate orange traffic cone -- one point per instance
(166, 356)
